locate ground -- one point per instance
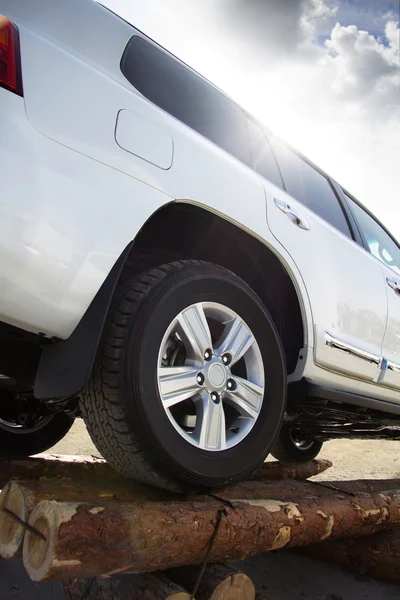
(282, 575)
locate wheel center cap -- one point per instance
(217, 375)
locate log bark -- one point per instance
(300, 471)
(86, 540)
(377, 555)
(85, 468)
(79, 468)
(22, 496)
(26, 494)
(149, 586)
(219, 582)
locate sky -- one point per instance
(322, 74)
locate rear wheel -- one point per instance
(20, 437)
(188, 387)
(295, 445)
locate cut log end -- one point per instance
(220, 581)
(12, 532)
(38, 553)
(237, 587)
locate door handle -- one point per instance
(299, 220)
(395, 285)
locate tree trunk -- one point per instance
(80, 468)
(86, 540)
(219, 582)
(55, 465)
(377, 555)
(21, 497)
(300, 470)
(149, 586)
(85, 468)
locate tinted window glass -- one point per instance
(310, 187)
(183, 94)
(379, 242)
(263, 159)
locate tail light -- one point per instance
(10, 62)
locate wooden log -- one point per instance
(26, 494)
(377, 555)
(358, 486)
(219, 582)
(21, 497)
(79, 468)
(293, 470)
(87, 540)
(149, 586)
(85, 468)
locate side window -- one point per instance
(380, 244)
(264, 161)
(176, 89)
(310, 187)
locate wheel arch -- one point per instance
(203, 234)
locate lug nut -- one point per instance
(200, 378)
(231, 385)
(226, 359)
(207, 354)
(215, 397)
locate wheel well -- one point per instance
(183, 231)
(176, 232)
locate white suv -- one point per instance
(170, 270)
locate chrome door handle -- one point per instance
(299, 220)
(395, 285)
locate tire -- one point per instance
(122, 404)
(22, 442)
(285, 448)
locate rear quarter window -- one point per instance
(182, 93)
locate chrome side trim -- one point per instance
(336, 344)
(392, 366)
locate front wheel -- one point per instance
(295, 445)
(188, 388)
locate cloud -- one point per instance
(364, 69)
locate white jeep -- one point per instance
(201, 294)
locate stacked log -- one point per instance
(97, 539)
(18, 499)
(78, 468)
(293, 470)
(149, 586)
(96, 470)
(220, 581)
(377, 555)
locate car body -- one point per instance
(108, 158)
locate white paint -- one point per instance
(140, 137)
(72, 199)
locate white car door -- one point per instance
(386, 253)
(345, 284)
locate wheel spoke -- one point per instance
(194, 328)
(246, 398)
(237, 340)
(177, 384)
(210, 425)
